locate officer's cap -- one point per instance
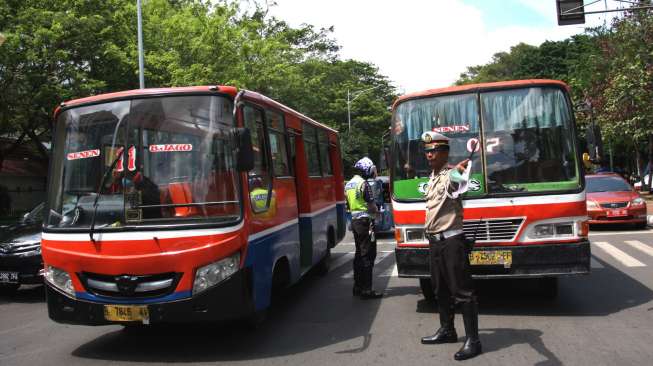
(434, 141)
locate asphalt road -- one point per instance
(605, 318)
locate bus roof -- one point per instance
(479, 87)
(229, 90)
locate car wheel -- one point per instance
(641, 225)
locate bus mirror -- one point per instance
(244, 151)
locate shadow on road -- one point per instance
(496, 339)
(24, 295)
(605, 291)
(317, 312)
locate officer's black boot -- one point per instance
(447, 332)
(472, 346)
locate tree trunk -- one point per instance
(650, 163)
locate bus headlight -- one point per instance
(564, 228)
(214, 273)
(59, 279)
(560, 229)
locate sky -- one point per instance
(424, 44)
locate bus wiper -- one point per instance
(104, 178)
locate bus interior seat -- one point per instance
(180, 193)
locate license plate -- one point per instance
(617, 213)
(8, 277)
(491, 258)
(126, 313)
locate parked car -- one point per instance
(611, 200)
(20, 251)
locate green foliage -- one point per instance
(57, 50)
(609, 69)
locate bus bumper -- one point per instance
(229, 299)
(527, 261)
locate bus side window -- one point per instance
(259, 177)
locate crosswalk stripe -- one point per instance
(618, 254)
(640, 246)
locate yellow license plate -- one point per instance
(491, 258)
(126, 313)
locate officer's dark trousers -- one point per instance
(365, 253)
(450, 270)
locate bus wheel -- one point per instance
(324, 265)
(427, 289)
(548, 287)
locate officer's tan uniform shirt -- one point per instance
(442, 212)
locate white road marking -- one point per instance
(618, 254)
(640, 246)
(612, 233)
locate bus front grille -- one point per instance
(492, 230)
(130, 286)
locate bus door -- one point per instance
(305, 237)
(303, 198)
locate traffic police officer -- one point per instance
(360, 201)
(449, 261)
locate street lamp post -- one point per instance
(356, 95)
(141, 76)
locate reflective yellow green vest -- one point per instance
(354, 194)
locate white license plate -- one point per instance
(617, 213)
(8, 277)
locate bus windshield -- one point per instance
(527, 138)
(153, 161)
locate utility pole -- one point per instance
(356, 95)
(141, 75)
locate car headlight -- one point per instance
(214, 273)
(637, 201)
(59, 279)
(591, 205)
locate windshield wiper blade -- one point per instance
(104, 178)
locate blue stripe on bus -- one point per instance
(111, 300)
(263, 252)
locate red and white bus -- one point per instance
(525, 206)
(185, 204)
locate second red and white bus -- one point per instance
(525, 207)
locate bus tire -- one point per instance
(548, 287)
(427, 289)
(324, 265)
(280, 278)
